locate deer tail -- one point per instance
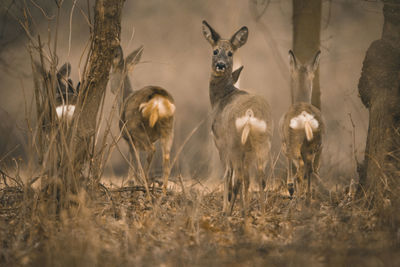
(308, 130)
(153, 117)
(248, 123)
(156, 108)
(245, 133)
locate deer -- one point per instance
(65, 95)
(146, 115)
(302, 126)
(242, 125)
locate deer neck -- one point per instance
(127, 90)
(301, 92)
(220, 86)
(121, 83)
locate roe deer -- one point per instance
(146, 115)
(65, 94)
(241, 122)
(302, 127)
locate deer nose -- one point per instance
(220, 66)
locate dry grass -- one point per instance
(52, 216)
(43, 222)
(113, 226)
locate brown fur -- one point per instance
(140, 127)
(230, 104)
(309, 131)
(153, 111)
(143, 122)
(295, 141)
(302, 147)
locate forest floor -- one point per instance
(118, 226)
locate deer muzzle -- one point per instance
(220, 67)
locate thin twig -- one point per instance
(86, 18)
(111, 198)
(42, 10)
(181, 183)
(136, 188)
(70, 28)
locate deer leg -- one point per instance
(133, 166)
(316, 161)
(231, 182)
(290, 178)
(261, 184)
(236, 187)
(140, 174)
(307, 159)
(225, 203)
(300, 175)
(149, 159)
(166, 144)
(308, 175)
(227, 188)
(245, 190)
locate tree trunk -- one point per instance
(306, 37)
(379, 87)
(105, 38)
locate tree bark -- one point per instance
(105, 38)
(379, 88)
(306, 37)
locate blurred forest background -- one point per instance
(177, 57)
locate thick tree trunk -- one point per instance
(106, 36)
(306, 37)
(379, 89)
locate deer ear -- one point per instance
(315, 62)
(64, 71)
(236, 74)
(240, 37)
(78, 87)
(210, 34)
(133, 58)
(292, 60)
(117, 56)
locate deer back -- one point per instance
(134, 118)
(229, 126)
(293, 129)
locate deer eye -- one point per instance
(230, 53)
(215, 52)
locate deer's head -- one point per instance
(120, 67)
(302, 76)
(223, 50)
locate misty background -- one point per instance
(177, 57)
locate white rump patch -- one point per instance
(65, 111)
(156, 108)
(249, 123)
(164, 107)
(256, 124)
(299, 121)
